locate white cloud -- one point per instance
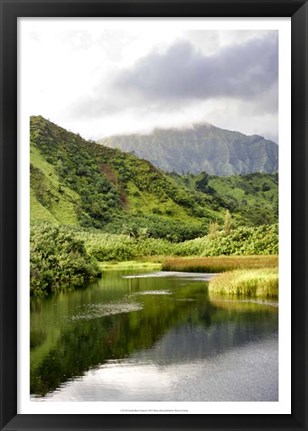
(71, 66)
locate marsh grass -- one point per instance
(131, 264)
(257, 283)
(219, 263)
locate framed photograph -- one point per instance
(153, 215)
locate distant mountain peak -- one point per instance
(201, 147)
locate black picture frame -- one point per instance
(10, 11)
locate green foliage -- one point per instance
(227, 223)
(38, 212)
(80, 169)
(245, 241)
(213, 230)
(252, 199)
(58, 260)
(108, 247)
(63, 257)
(241, 241)
(39, 187)
(108, 184)
(159, 227)
(58, 203)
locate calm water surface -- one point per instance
(153, 337)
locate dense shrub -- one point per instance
(58, 260)
(240, 241)
(156, 227)
(106, 247)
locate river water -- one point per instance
(153, 337)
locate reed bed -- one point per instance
(219, 263)
(257, 283)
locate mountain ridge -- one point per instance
(202, 147)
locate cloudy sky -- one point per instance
(99, 80)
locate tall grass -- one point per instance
(219, 263)
(261, 283)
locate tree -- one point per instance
(227, 222)
(213, 229)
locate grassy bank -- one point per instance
(219, 263)
(258, 283)
(130, 265)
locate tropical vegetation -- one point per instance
(91, 203)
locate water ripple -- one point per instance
(94, 311)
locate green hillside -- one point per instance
(80, 183)
(254, 197)
(76, 182)
(92, 203)
(201, 148)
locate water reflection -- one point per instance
(89, 333)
